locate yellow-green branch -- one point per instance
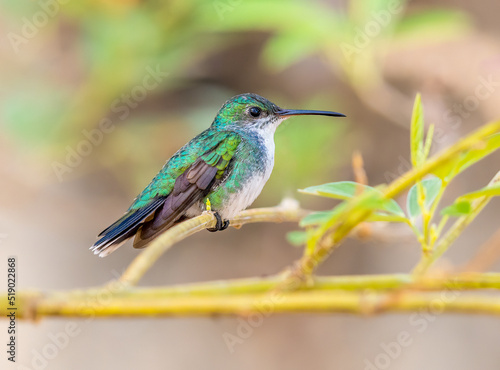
(454, 232)
(332, 233)
(295, 290)
(355, 294)
(248, 304)
(288, 211)
(325, 239)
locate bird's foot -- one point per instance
(220, 225)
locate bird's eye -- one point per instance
(255, 111)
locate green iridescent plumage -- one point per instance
(224, 143)
(228, 163)
(223, 153)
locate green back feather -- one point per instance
(214, 147)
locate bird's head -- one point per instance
(251, 111)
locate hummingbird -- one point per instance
(226, 166)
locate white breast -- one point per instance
(241, 200)
(253, 187)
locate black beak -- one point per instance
(301, 112)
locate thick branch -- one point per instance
(365, 294)
(245, 304)
(353, 302)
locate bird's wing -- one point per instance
(184, 180)
(189, 188)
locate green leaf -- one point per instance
(337, 190)
(348, 189)
(475, 155)
(386, 218)
(483, 149)
(417, 132)
(490, 191)
(393, 207)
(460, 208)
(297, 238)
(412, 205)
(318, 218)
(428, 142)
(431, 187)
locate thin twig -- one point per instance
(327, 237)
(288, 211)
(454, 232)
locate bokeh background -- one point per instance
(96, 95)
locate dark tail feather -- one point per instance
(164, 218)
(116, 234)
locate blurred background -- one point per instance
(96, 95)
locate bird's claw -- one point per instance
(220, 224)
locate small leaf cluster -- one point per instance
(423, 198)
